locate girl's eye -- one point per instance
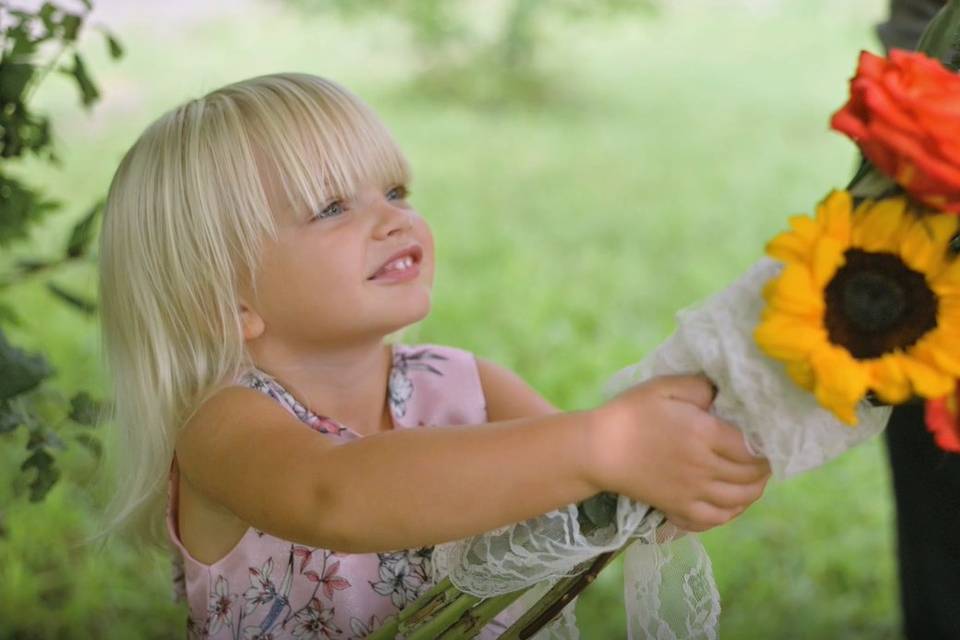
(398, 193)
(335, 208)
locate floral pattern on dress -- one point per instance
(400, 386)
(404, 575)
(263, 382)
(274, 589)
(313, 618)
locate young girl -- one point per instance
(258, 247)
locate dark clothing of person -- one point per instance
(926, 479)
(926, 484)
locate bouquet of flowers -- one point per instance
(857, 308)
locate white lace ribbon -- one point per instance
(670, 593)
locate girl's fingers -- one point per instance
(702, 516)
(740, 473)
(734, 496)
(730, 444)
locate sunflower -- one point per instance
(868, 300)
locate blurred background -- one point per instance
(589, 168)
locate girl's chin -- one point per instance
(414, 308)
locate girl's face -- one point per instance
(358, 269)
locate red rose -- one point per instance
(904, 114)
(942, 420)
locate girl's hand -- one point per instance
(657, 444)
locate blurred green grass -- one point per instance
(569, 232)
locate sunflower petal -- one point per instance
(948, 278)
(922, 247)
(796, 292)
(879, 225)
(938, 353)
(888, 380)
(805, 227)
(833, 214)
(841, 382)
(789, 247)
(801, 373)
(787, 338)
(827, 258)
(927, 381)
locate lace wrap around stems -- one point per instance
(669, 590)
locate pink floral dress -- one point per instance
(266, 587)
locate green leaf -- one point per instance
(47, 13)
(91, 443)
(88, 91)
(598, 511)
(84, 409)
(20, 371)
(82, 232)
(47, 474)
(23, 43)
(10, 418)
(83, 305)
(116, 51)
(71, 25)
(14, 77)
(32, 265)
(941, 38)
(41, 437)
(20, 207)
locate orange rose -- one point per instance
(942, 421)
(904, 114)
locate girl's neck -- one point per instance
(347, 384)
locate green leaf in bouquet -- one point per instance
(597, 512)
(941, 39)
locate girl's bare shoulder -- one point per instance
(245, 453)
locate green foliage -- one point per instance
(30, 397)
(460, 60)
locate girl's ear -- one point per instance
(253, 324)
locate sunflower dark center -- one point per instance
(873, 302)
(876, 304)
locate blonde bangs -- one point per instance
(319, 140)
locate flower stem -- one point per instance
(422, 608)
(436, 624)
(557, 598)
(470, 623)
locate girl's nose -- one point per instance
(392, 219)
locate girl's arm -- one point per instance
(418, 487)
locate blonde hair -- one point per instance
(185, 219)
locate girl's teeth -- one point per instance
(402, 263)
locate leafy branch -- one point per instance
(33, 44)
